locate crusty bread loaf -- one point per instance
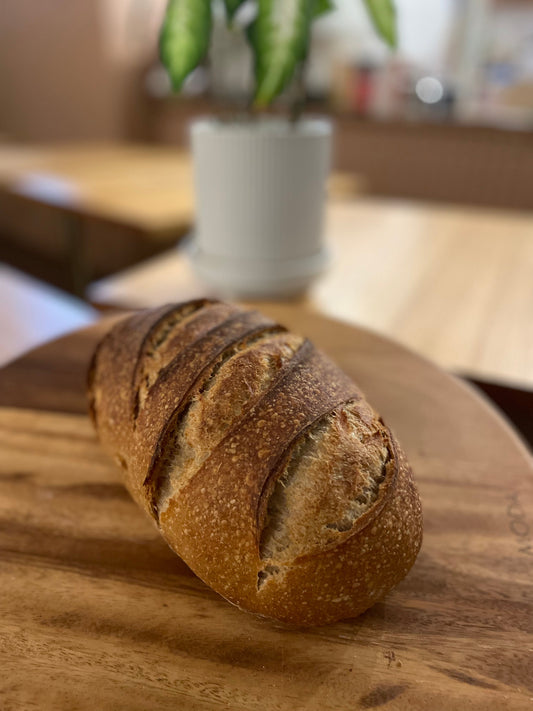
(260, 461)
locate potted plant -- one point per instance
(260, 179)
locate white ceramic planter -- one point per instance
(260, 194)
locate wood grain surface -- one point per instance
(97, 613)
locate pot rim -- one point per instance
(265, 126)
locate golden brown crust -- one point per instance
(263, 465)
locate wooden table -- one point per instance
(145, 188)
(96, 612)
(454, 284)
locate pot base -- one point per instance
(259, 279)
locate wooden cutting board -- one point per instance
(97, 613)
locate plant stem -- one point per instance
(298, 103)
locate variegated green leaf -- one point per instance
(279, 37)
(383, 16)
(232, 6)
(184, 38)
(322, 7)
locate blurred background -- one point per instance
(88, 124)
(458, 95)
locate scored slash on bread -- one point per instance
(259, 460)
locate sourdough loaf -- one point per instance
(259, 460)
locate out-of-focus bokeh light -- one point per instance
(429, 90)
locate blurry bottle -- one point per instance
(390, 91)
(339, 93)
(362, 89)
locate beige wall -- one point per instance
(58, 78)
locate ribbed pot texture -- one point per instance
(260, 192)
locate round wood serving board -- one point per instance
(97, 613)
